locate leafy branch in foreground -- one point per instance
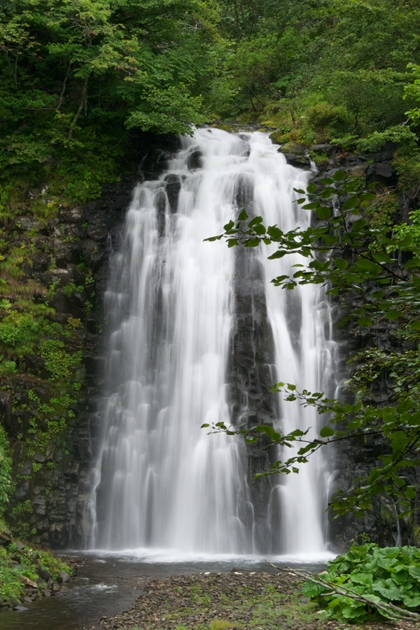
(399, 426)
(378, 264)
(345, 251)
(366, 581)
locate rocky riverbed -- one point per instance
(238, 600)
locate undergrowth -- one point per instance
(390, 575)
(20, 563)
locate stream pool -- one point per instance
(108, 583)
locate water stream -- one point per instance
(160, 482)
(109, 583)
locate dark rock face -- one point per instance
(195, 160)
(56, 514)
(173, 186)
(354, 458)
(251, 367)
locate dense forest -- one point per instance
(83, 81)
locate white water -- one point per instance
(160, 481)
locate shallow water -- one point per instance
(107, 584)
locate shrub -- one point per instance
(390, 575)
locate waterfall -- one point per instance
(160, 481)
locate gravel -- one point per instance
(237, 600)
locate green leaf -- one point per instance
(388, 589)
(351, 203)
(274, 233)
(252, 242)
(415, 572)
(405, 406)
(255, 221)
(369, 266)
(323, 212)
(365, 321)
(341, 264)
(211, 239)
(339, 175)
(326, 432)
(242, 216)
(259, 229)
(411, 602)
(411, 493)
(311, 590)
(311, 206)
(359, 224)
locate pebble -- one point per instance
(163, 603)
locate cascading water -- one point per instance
(159, 480)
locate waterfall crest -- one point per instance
(171, 305)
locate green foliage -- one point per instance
(7, 368)
(412, 90)
(390, 575)
(5, 472)
(411, 230)
(22, 334)
(407, 165)
(59, 363)
(76, 77)
(18, 562)
(399, 135)
(321, 71)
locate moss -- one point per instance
(320, 159)
(19, 563)
(41, 364)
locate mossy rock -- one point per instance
(293, 147)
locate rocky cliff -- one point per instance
(53, 286)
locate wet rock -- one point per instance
(160, 204)
(195, 160)
(382, 172)
(92, 252)
(300, 161)
(328, 149)
(22, 490)
(5, 408)
(98, 230)
(67, 253)
(40, 262)
(72, 215)
(27, 223)
(44, 575)
(29, 582)
(173, 186)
